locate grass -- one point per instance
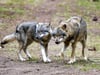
(86, 66)
(93, 39)
(19, 2)
(93, 56)
(10, 8)
(88, 8)
(90, 5)
(2, 25)
(85, 9)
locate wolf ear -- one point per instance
(51, 29)
(64, 26)
(49, 24)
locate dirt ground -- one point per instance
(9, 63)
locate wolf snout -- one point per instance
(37, 37)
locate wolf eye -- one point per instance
(39, 31)
(45, 31)
(63, 34)
(54, 35)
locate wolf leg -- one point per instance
(28, 42)
(73, 59)
(46, 50)
(61, 54)
(83, 48)
(44, 53)
(63, 49)
(20, 50)
(20, 56)
(27, 53)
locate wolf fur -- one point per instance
(70, 32)
(28, 32)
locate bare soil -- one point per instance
(10, 65)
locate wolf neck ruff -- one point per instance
(41, 33)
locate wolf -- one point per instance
(71, 31)
(28, 32)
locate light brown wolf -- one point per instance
(71, 31)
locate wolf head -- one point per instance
(43, 31)
(62, 32)
(67, 29)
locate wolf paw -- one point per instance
(85, 58)
(22, 59)
(47, 60)
(72, 61)
(60, 55)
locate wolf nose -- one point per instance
(37, 37)
(57, 42)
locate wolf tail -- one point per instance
(7, 39)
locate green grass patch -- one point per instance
(36, 59)
(20, 2)
(90, 5)
(94, 40)
(11, 8)
(3, 9)
(86, 65)
(10, 11)
(3, 25)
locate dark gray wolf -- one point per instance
(28, 32)
(70, 32)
